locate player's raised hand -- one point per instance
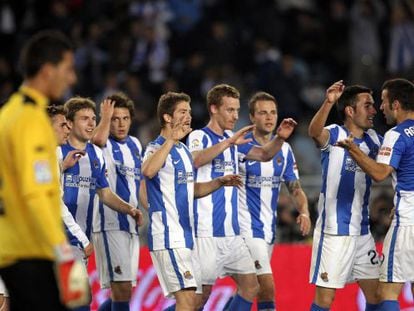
(335, 91)
(72, 158)
(303, 220)
(347, 143)
(238, 137)
(285, 129)
(231, 180)
(107, 108)
(180, 128)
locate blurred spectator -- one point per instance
(381, 212)
(401, 55)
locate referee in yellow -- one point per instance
(32, 237)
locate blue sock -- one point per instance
(120, 305)
(170, 308)
(315, 307)
(389, 305)
(106, 305)
(227, 305)
(83, 308)
(371, 307)
(240, 304)
(266, 306)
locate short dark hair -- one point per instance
(167, 104)
(123, 101)
(258, 97)
(349, 97)
(77, 103)
(54, 110)
(219, 91)
(401, 90)
(47, 46)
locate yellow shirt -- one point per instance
(30, 214)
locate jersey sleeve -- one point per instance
(391, 149)
(291, 170)
(150, 150)
(37, 174)
(197, 141)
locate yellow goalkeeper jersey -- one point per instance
(30, 212)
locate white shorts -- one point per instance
(222, 256)
(341, 259)
(117, 256)
(261, 253)
(177, 269)
(3, 289)
(398, 250)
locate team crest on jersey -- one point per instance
(257, 265)
(95, 164)
(279, 161)
(118, 270)
(324, 276)
(188, 275)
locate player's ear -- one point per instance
(349, 111)
(167, 118)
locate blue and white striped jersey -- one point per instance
(344, 198)
(397, 150)
(170, 199)
(258, 198)
(123, 164)
(217, 213)
(80, 183)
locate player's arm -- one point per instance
(143, 198)
(37, 173)
(71, 159)
(113, 201)
(377, 171)
(301, 204)
(202, 189)
(101, 132)
(316, 128)
(268, 151)
(76, 230)
(202, 157)
(155, 161)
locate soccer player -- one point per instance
(115, 234)
(395, 158)
(214, 149)
(57, 114)
(343, 247)
(87, 177)
(258, 198)
(169, 177)
(31, 232)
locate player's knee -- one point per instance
(121, 291)
(324, 298)
(206, 294)
(266, 293)
(249, 288)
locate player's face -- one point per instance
(364, 111)
(61, 128)
(386, 109)
(182, 113)
(62, 76)
(83, 125)
(227, 114)
(265, 116)
(120, 123)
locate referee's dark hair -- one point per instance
(47, 46)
